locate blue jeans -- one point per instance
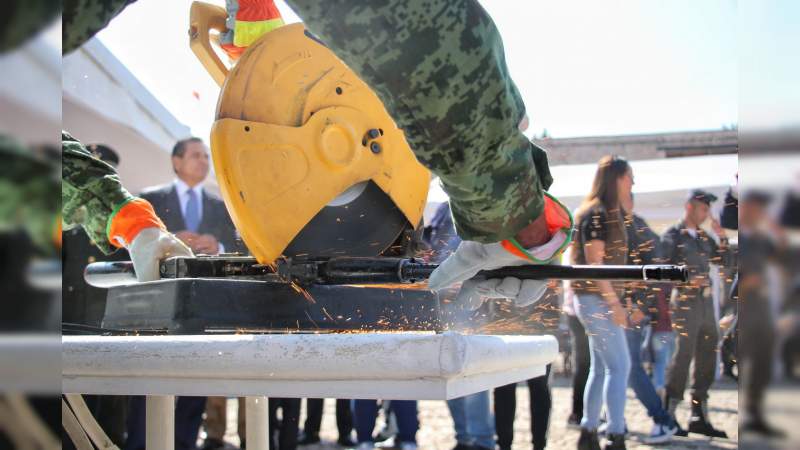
(366, 411)
(640, 382)
(663, 345)
(609, 367)
(472, 417)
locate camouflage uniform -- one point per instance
(91, 191)
(439, 68)
(28, 192)
(29, 184)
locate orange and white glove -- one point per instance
(472, 257)
(247, 21)
(135, 226)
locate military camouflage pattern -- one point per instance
(21, 20)
(90, 191)
(82, 19)
(439, 68)
(29, 184)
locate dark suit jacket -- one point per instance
(215, 220)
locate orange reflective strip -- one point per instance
(57, 231)
(130, 218)
(513, 249)
(556, 215)
(255, 10)
(557, 218)
(233, 51)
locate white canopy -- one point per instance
(660, 185)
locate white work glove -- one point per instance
(149, 247)
(472, 257)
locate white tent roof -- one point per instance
(104, 103)
(660, 185)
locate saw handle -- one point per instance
(204, 17)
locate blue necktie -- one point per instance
(192, 216)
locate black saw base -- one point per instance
(198, 305)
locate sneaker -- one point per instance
(660, 434)
(408, 446)
(573, 422)
(366, 446)
(346, 441)
(615, 442)
(460, 446)
(308, 439)
(761, 427)
(213, 444)
(588, 440)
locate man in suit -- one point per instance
(200, 220)
(197, 217)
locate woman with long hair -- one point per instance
(601, 238)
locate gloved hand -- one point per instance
(149, 247)
(135, 226)
(472, 257)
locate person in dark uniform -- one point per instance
(761, 242)
(693, 315)
(85, 305)
(539, 318)
(313, 423)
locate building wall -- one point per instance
(584, 150)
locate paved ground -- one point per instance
(436, 431)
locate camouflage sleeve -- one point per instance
(29, 187)
(439, 68)
(82, 19)
(90, 190)
(21, 20)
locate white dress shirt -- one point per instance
(183, 197)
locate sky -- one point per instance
(583, 68)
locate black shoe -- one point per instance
(699, 423)
(460, 446)
(761, 427)
(307, 439)
(243, 445)
(213, 444)
(346, 441)
(615, 442)
(588, 440)
(480, 447)
(573, 421)
(681, 431)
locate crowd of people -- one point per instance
(637, 335)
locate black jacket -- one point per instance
(215, 220)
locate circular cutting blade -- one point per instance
(362, 221)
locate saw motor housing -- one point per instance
(295, 129)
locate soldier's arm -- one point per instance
(439, 68)
(29, 187)
(91, 192)
(83, 19)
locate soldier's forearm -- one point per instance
(91, 191)
(439, 68)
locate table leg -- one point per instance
(160, 422)
(257, 416)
